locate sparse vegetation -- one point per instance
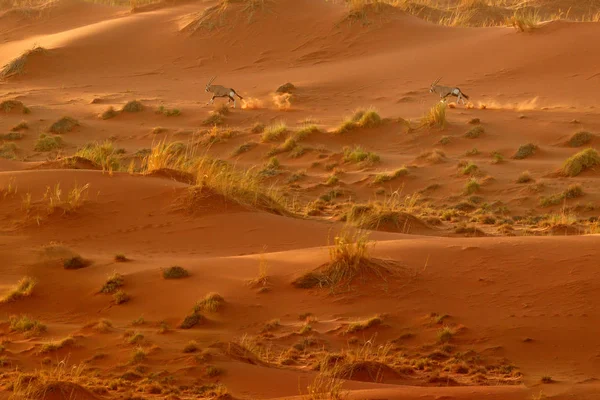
(525, 150)
(8, 151)
(362, 325)
(274, 132)
(169, 112)
(525, 20)
(133, 106)
(63, 125)
(191, 347)
(475, 132)
(381, 178)
(113, 283)
(24, 288)
(175, 272)
(212, 302)
(436, 116)
(525, 177)
(48, 143)
(11, 136)
(103, 154)
(472, 186)
(368, 118)
(581, 161)
(56, 345)
(75, 262)
(357, 154)
(24, 324)
(121, 258)
(445, 334)
(109, 113)
(579, 139)
(244, 148)
(17, 66)
(120, 297)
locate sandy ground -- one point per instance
(519, 302)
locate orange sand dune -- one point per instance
(478, 280)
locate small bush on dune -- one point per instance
(274, 132)
(133, 106)
(357, 154)
(362, 325)
(191, 320)
(113, 283)
(21, 126)
(525, 151)
(579, 139)
(436, 116)
(9, 105)
(48, 143)
(8, 151)
(121, 297)
(581, 161)
(75, 262)
(525, 20)
(109, 113)
(169, 112)
(24, 324)
(64, 125)
(472, 186)
(475, 132)
(381, 178)
(525, 177)
(175, 272)
(213, 302)
(11, 136)
(103, 154)
(24, 288)
(360, 119)
(17, 66)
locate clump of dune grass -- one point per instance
(21, 126)
(17, 65)
(191, 320)
(445, 334)
(75, 262)
(109, 113)
(381, 178)
(357, 154)
(578, 139)
(11, 136)
(113, 283)
(139, 355)
(63, 125)
(212, 371)
(474, 132)
(212, 302)
(169, 155)
(525, 177)
(581, 161)
(25, 324)
(525, 20)
(103, 326)
(121, 258)
(348, 258)
(305, 131)
(175, 272)
(470, 169)
(436, 116)
(56, 345)
(258, 128)
(169, 112)
(362, 325)
(8, 151)
(368, 118)
(9, 105)
(191, 347)
(103, 154)
(274, 132)
(525, 150)
(472, 186)
(244, 148)
(133, 106)
(47, 143)
(24, 288)
(120, 297)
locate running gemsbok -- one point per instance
(445, 91)
(220, 91)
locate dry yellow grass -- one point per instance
(24, 288)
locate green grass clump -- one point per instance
(191, 320)
(103, 154)
(8, 151)
(133, 106)
(436, 116)
(175, 272)
(244, 148)
(525, 177)
(21, 126)
(305, 131)
(169, 112)
(11, 136)
(120, 297)
(109, 113)
(9, 105)
(360, 119)
(213, 302)
(24, 324)
(191, 347)
(472, 186)
(63, 125)
(445, 334)
(470, 169)
(75, 262)
(56, 345)
(362, 325)
(48, 143)
(274, 132)
(113, 283)
(474, 132)
(357, 154)
(524, 151)
(579, 139)
(258, 128)
(24, 288)
(381, 178)
(581, 161)
(573, 191)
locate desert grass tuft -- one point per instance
(11, 136)
(368, 118)
(525, 177)
(47, 143)
(24, 324)
(525, 150)
(474, 132)
(581, 161)
(169, 112)
(212, 302)
(103, 154)
(63, 125)
(113, 283)
(381, 178)
(75, 262)
(436, 116)
(175, 272)
(357, 154)
(133, 106)
(17, 66)
(274, 132)
(109, 113)
(472, 186)
(362, 325)
(579, 139)
(525, 20)
(120, 297)
(24, 288)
